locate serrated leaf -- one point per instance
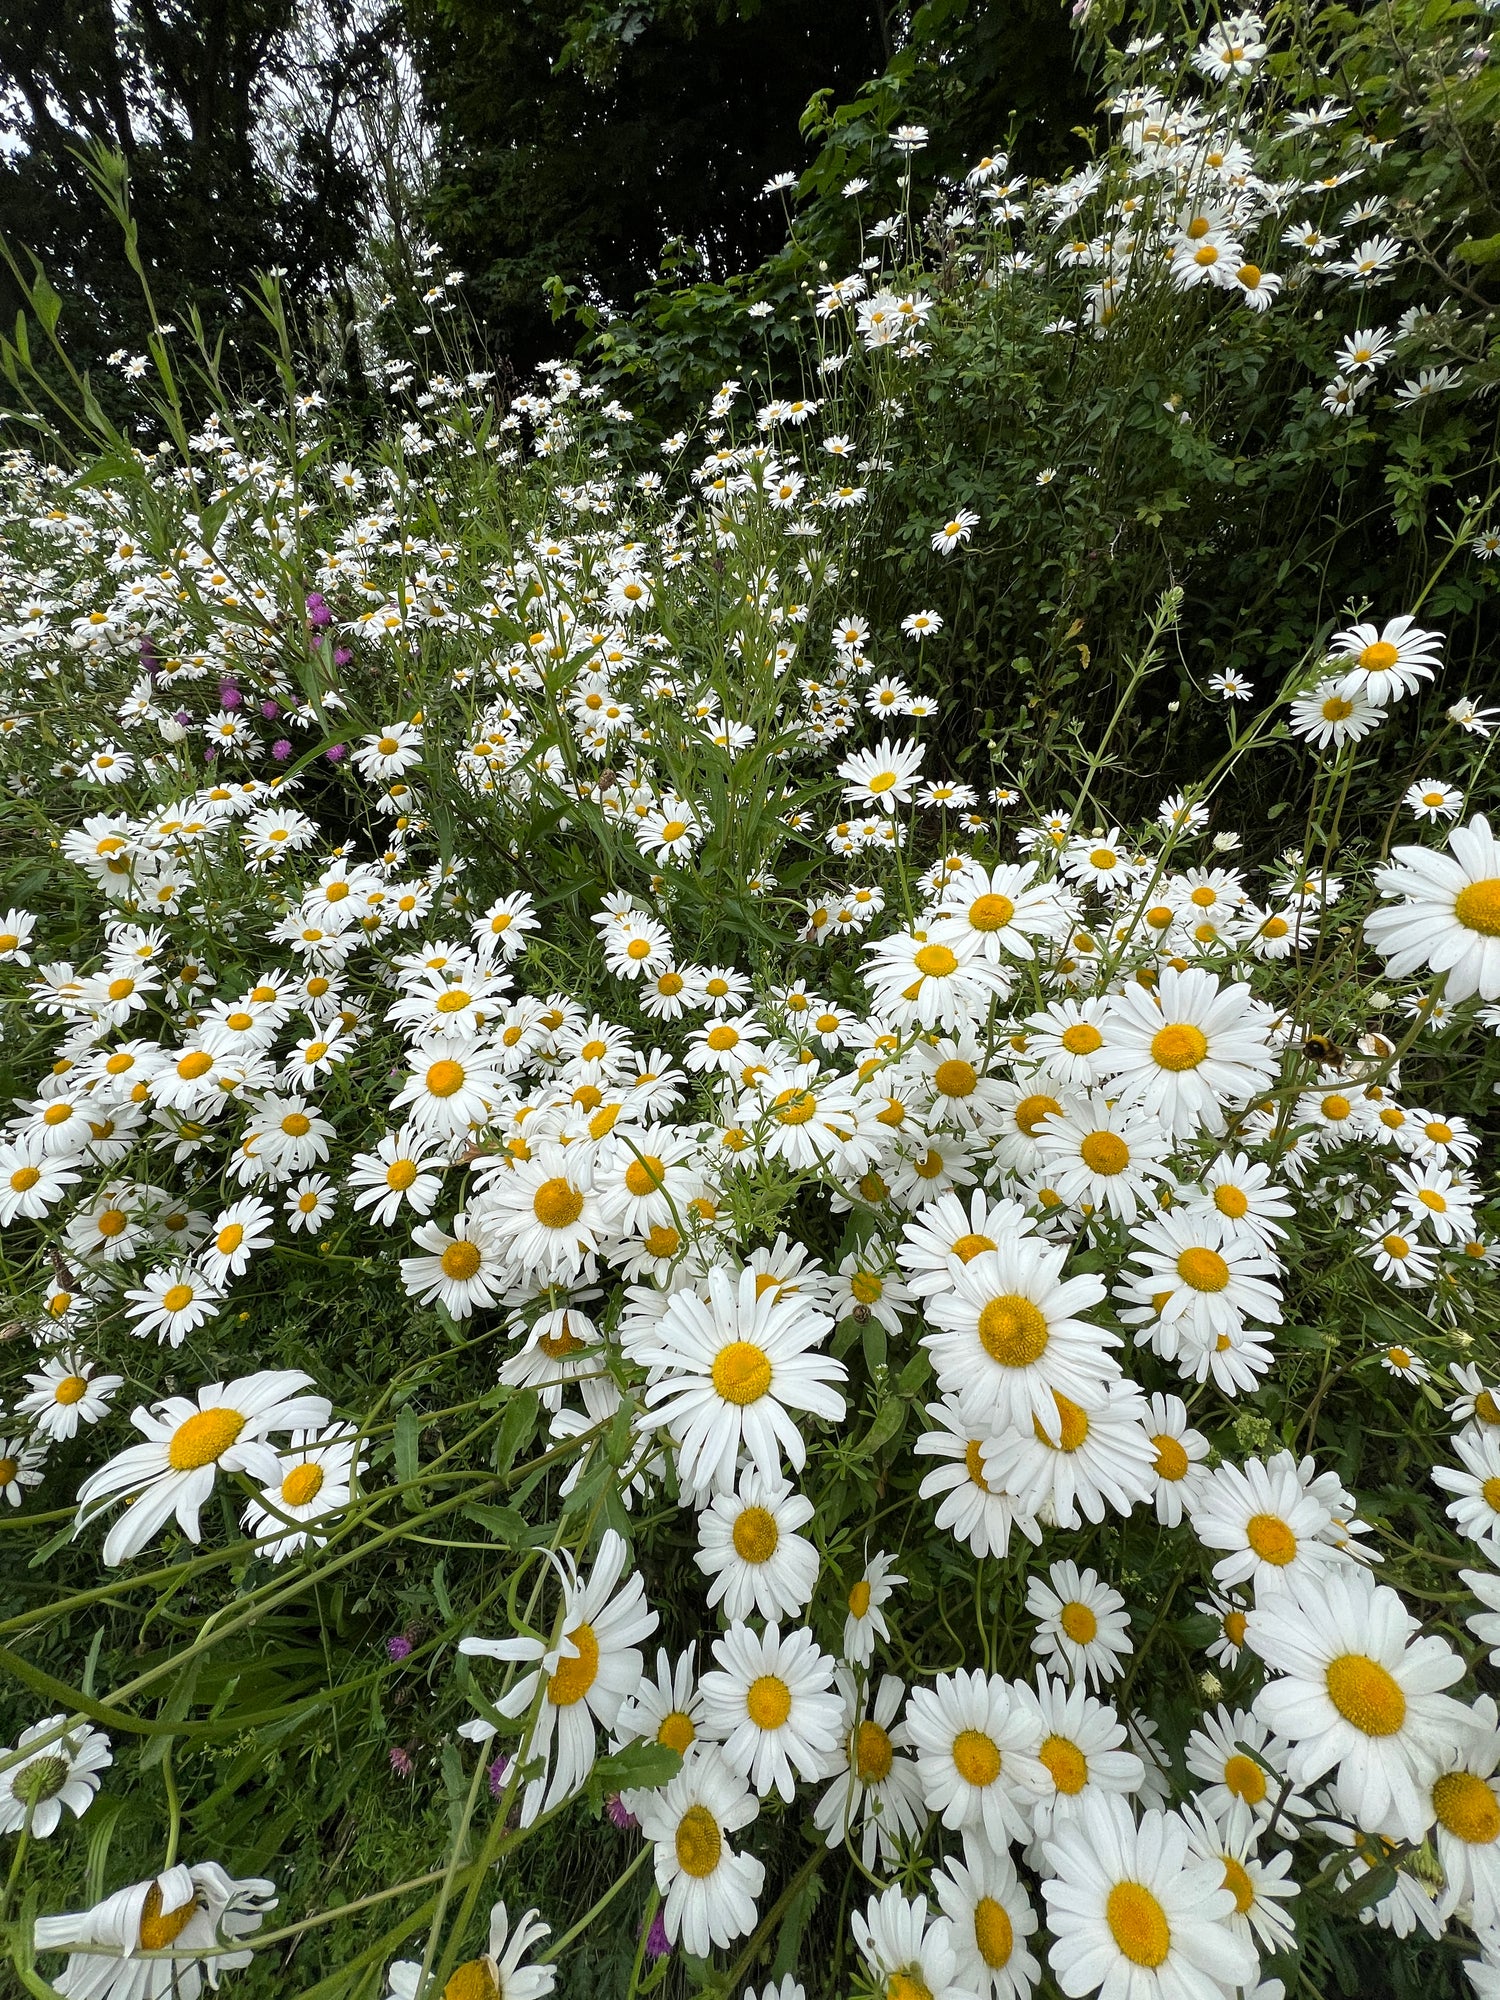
(640, 1766)
(504, 1523)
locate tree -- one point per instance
(575, 143)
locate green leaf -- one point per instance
(408, 1431)
(504, 1523)
(1480, 250)
(888, 1420)
(642, 1766)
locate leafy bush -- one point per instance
(677, 1255)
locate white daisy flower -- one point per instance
(709, 1891)
(51, 1768)
(1083, 1630)
(179, 1911)
(770, 1703)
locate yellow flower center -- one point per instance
(722, 1037)
(1491, 1492)
(229, 1238)
(1066, 1763)
(1032, 1110)
(1171, 1459)
(859, 1599)
(1244, 1777)
(794, 1106)
(1138, 1924)
(112, 1222)
(661, 1240)
(445, 1077)
(756, 1535)
(1271, 1539)
(71, 1389)
(1365, 1694)
(935, 961)
(1013, 1331)
(1081, 1039)
(645, 1175)
(25, 1178)
(1204, 1270)
(203, 1438)
(955, 1077)
(1238, 1883)
(1079, 1623)
(571, 1679)
(177, 1298)
(1477, 907)
(976, 1758)
(768, 1701)
(1234, 1627)
(1231, 1201)
(296, 1124)
(557, 1204)
(1486, 1408)
(742, 1372)
(461, 1260)
(1073, 1422)
(400, 1174)
(1179, 1046)
(1378, 657)
(302, 1483)
(160, 1928)
(699, 1842)
(874, 1753)
(1104, 1153)
(969, 1246)
(678, 1732)
(994, 1934)
(907, 1985)
(1467, 1807)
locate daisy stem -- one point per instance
(17, 1860)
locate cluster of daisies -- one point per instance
(1073, 1157)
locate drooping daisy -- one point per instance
(976, 1754)
(1358, 1692)
(497, 1974)
(1133, 1913)
(187, 1444)
(709, 1891)
(748, 1543)
(728, 1370)
(179, 1911)
(666, 1710)
(55, 1767)
(584, 1675)
(865, 1623)
(1083, 1630)
(875, 1787)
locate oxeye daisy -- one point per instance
(1002, 910)
(1335, 712)
(405, 1167)
(496, 1975)
(865, 1623)
(542, 1213)
(749, 1545)
(183, 1910)
(1178, 1453)
(583, 1675)
(950, 1227)
(1102, 1154)
(459, 1272)
(1091, 1457)
(1447, 912)
(174, 1302)
(990, 1920)
(975, 1509)
(1065, 1040)
(885, 776)
(708, 1890)
(236, 1233)
(1388, 661)
(1199, 1279)
(1267, 1516)
(1243, 1764)
(1357, 1692)
(908, 1952)
(1079, 1747)
(1259, 1884)
(1132, 1910)
(1083, 1630)
(187, 1445)
(52, 1767)
(976, 1754)
(66, 1392)
(1187, 1053)
(1006, 1340)
(875, 1788)
(316, 1479)
(726, 1373)
(666, 1710)
(770, 1703)
(452, 1086)
(1475, 1507)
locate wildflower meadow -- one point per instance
(747, 1170)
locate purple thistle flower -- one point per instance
(499, 1772)
(317, 610)
(281, 749)
(342, 656)
(270, 710)
(399, 1647)
(229, 695)
(183, 717)
(401, 1762)
(620, 1813)
(658, 1944)
(335, 753)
